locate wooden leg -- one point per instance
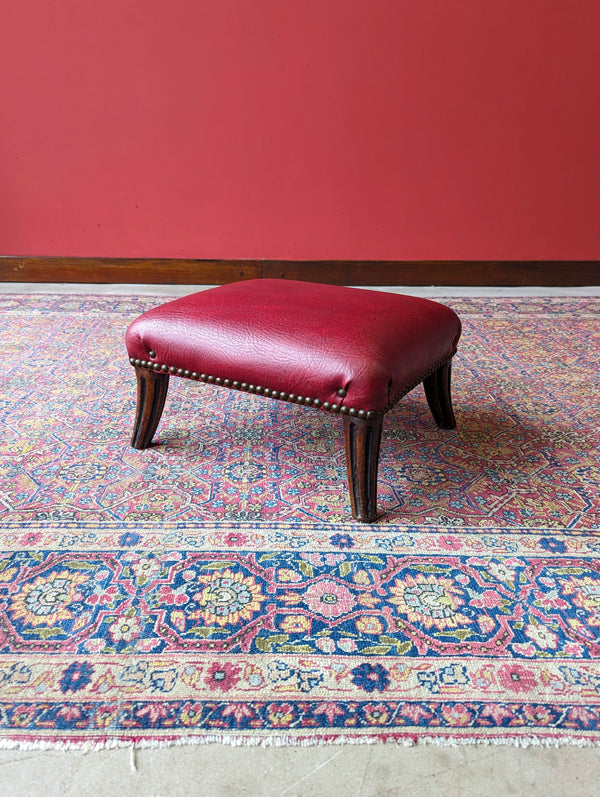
(437, 390)
(151, 394)
(362, 439)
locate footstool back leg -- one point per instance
(437, 391)
(151, 394)
(362, 439)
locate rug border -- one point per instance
(97, 744)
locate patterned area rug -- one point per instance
(213, 587)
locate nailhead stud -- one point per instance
(290, 397)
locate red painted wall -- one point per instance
(367, 129)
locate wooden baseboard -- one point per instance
(103, 270)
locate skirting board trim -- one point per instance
(179, 271)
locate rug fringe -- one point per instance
(92, 746)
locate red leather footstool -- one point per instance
(343, 350)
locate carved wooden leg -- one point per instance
(362, 439)
(151, 394)
(437, 390)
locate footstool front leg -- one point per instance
(151, 394)
(362, 439)
(437, 392)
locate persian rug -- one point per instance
(213, 587)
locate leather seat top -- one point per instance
(361, 348)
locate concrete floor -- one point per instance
(346, 770)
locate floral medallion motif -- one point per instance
(49, 599)
(227, 598)
(585, 594)
(430, 601)
(329, 598)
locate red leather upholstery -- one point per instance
(345, 346)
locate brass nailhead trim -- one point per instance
(289, 397)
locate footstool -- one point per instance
(342, 350)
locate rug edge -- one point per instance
(288, 740)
